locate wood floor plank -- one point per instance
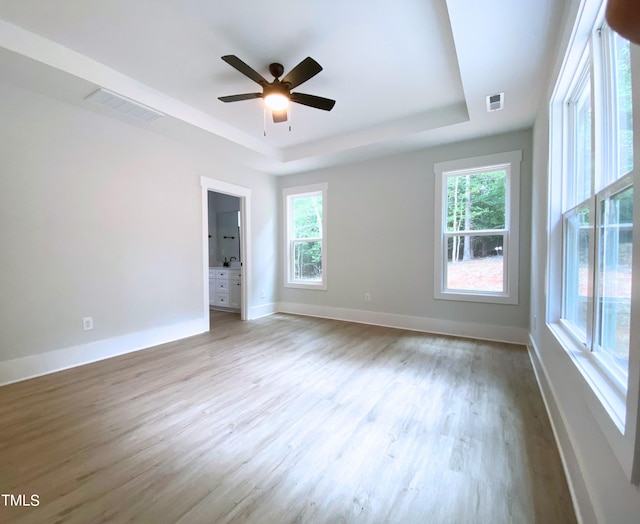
(287, 419)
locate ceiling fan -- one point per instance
(277, 94)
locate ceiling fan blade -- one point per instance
(246, 70)
(279, 116)
(305, 70)
(318, 102)
(237, 98)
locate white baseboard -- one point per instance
(560, 431)
(263, 310)
(428, 325)
(57, 360)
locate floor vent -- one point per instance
(123, 105)
(495, 102)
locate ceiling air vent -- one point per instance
(123, 105)
(495, 102)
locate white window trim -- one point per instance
(609, 385)
(511, 161)
(603, 384)
(619, 377)
(287, 227)
(614, 414)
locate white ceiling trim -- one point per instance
(426, 121)
(423, 71)
(35, 47)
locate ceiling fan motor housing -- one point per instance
(276, 88)
(276, 70)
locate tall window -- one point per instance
(598, 204)
(477, 247)
(305, 233)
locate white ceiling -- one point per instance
(405, 74)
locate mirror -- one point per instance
(228, 235)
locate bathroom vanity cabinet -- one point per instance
(225, 288)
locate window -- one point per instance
(305, 234)
(597, 210)
(477, 244)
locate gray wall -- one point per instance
(224, 203)
(102, 218)
(380, 234)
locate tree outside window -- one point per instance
(305, 236)
(478, 228)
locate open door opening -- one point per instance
(226, 248)
(225, 253)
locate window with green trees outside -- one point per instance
(477, 214)
(305, 236)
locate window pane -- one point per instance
(307, 261)
(622, 104)
(307, 217)
(476, 201)
(614, 278)
(475, 263)
(577, 291)
(581, 176)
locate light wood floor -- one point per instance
(287, 419)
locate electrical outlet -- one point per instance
(367, 297)
(87, 323)
(262, 294)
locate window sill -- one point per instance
(610, 394)
(320, 286)
(475, 296)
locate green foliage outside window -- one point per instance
(622, 79)
(476, 202)
(307, 224)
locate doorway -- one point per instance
(226, 248)
(224, 230)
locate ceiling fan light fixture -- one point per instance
(276, 101)
(277, 94)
